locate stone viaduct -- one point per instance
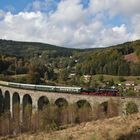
(37, 99)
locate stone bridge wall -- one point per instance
(70, 98)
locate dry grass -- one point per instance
(108, 129)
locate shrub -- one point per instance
(131, 107)
(121, 79)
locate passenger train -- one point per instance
(62, 89)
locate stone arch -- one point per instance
(83, 103)
(61, 102)
(84, 111)
(27, 105)
(7, 101)
(1, 102)
(16, 105)
(104, 107)
(42, 102)
(27, 112)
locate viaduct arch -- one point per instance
(38, 100)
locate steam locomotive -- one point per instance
(62, 89)
(100, 91)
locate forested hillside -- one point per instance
(29, 49)
(39, 63)
(111, 60)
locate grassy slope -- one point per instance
(136, 79)
(108, 129)
(116, 78)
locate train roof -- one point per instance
(32, 85)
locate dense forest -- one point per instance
(30, 62)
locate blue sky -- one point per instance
(70, 23)
(18, 5)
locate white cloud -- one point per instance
(72, 26)
(136, 27)
(69, 12)
(130, 7)
(115, 35)
(114, 7)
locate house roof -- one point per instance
(137, 87)
(129, 82)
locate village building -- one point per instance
(72, 75)
(87, 78)
(129, 83)
(137, 88)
